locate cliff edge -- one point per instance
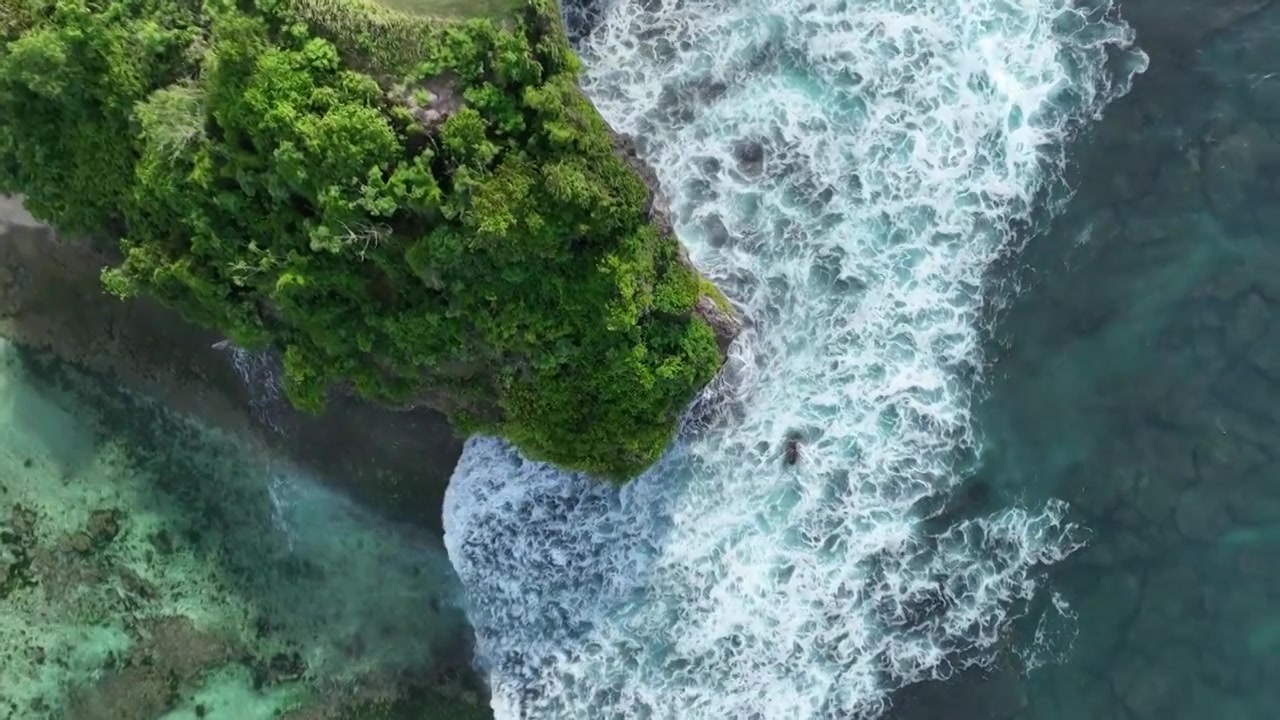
(51, 300)
(419, 209)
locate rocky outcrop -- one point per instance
(480, 218)
(397, 460)
(432, 102)
(469, 390)
(725, 322)
(712, 306)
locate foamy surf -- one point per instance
(847, 171)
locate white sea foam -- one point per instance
(260, 371)
(900, 142)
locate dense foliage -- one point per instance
(419, 209)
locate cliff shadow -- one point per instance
(51, 299)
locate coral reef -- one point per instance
(151, 567)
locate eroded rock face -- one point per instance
(431, 103)
(722, 317)
(13, 214)
(724, 323)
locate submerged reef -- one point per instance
(153, 568)
(394, 462)
(422, 209)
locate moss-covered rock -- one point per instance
(422, 208)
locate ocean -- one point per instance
(1008, 268)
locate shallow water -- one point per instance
(151, 567)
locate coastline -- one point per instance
(136, 513)
(51, 299)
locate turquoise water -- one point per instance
(150, 567)
(1137, 376)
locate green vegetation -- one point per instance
(421, 209)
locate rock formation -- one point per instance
(410, 209)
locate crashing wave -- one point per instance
(848, 170)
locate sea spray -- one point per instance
(262, 375)
(847, 171)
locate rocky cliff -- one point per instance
(414, 209)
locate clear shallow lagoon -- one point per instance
(151, 567)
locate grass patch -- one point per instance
(459, 9)
(372, 36)
(391, 37)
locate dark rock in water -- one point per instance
(22, 521)
(708, 166)
(285, 667)
(134, 585)
(131, 693)
(679, 104)
(16, 545)
(81, 543)
(717, 234)
(791, 448)
(168, 655)
(162, 541)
